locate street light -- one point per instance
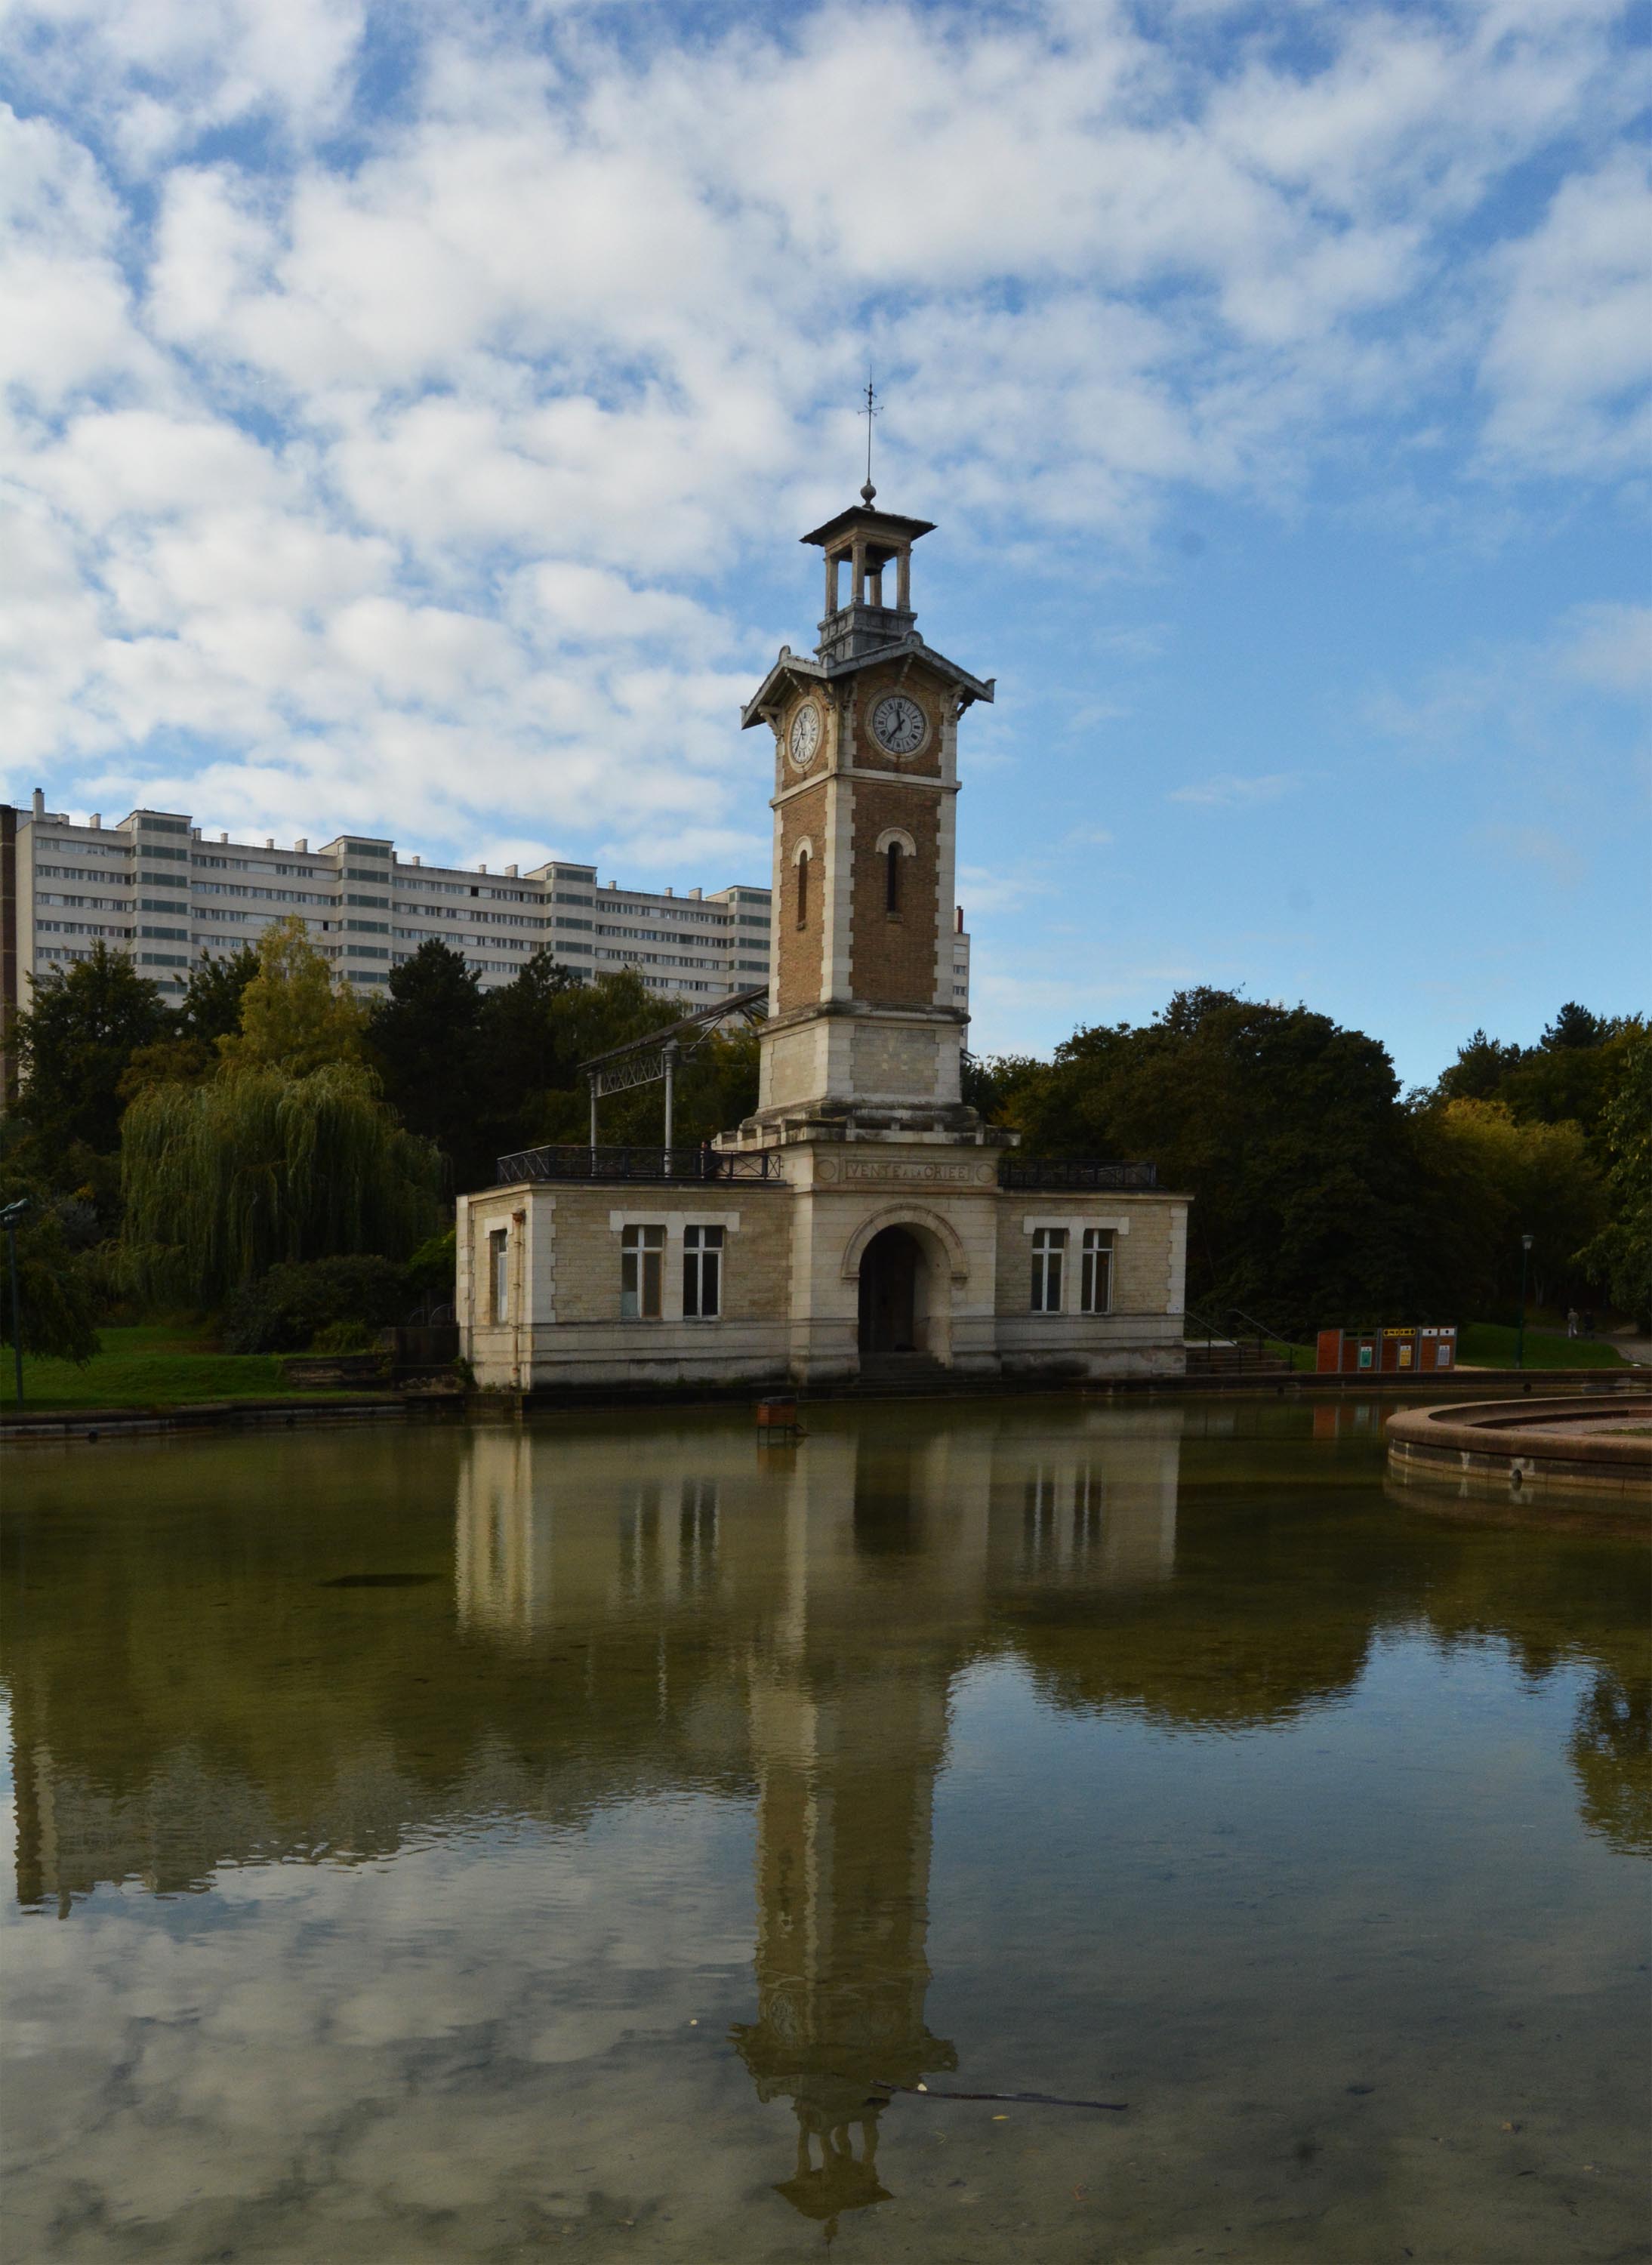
(1519, 1342)
(12, 1219)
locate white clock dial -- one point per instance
(898, 725)
(805, 735)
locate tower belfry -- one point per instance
(863, 1035)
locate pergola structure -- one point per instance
(646, 1060)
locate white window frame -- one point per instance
(703, 1249)
(1049, 1269)
(499, 1275)
(638, 1245)
(1076, 1225)
(1095, 1270)
(674, 1225)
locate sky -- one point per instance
(410, 414)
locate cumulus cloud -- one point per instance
(410, 455)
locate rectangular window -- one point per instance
(702, 1273)
(641, 1270)
(498, 1277)
(1049, 1249)
(1096, 1281)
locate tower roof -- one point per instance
(860, 518)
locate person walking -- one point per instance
(1571, 1320)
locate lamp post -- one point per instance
(1519, 1342)
(10, 1218)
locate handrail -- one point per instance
(1055, 1172)
(581, 1160)
(1279, 1336)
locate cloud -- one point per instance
(1227, 791)
(1568, 368)
(399, 441)
(1533, 694)
(1609, 646)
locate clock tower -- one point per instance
(863, 1034)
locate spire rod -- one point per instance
(873, 409)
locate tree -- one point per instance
(425, 1040)
(211, 1008)
(1568, 1076)
(1480, 1069)
(224, 1180)
(1619, 1257)
(293, 1016)
(1287, 1130)
(1574, 1026)
(56, 1290)
(74, 1043)
(1488, 1178)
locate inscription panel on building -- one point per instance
(885, 1172)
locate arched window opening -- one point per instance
(802, 889)
(892, 878)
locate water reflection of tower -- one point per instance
(847, 1708)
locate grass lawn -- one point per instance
(158, 1365)
(1487, 1344)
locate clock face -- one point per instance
(898, 725)
(805, 735)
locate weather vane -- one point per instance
(871, 410)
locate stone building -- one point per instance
(864, 1217)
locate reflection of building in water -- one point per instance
(851, 1578)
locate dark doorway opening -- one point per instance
(889, 1292)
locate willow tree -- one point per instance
(224, 1180)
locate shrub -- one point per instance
(295, 1303)
(343, 1337)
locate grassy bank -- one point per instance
(1488, 1344)
(159, 1364)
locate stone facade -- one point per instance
(868, 1223)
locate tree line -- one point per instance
(178, 1154)
(1325, 1195)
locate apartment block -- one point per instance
(161, 889)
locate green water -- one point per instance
(443, 1844)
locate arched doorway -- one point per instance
(892, 1293)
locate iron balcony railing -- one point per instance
(571, 1161)
(1053, 1173)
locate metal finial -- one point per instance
(871, 410)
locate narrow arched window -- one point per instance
(802, 889)
(892, 878)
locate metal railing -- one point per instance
(1236, 1341)
(580, 1161)
(1053, 1173)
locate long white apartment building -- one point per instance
(159, 888)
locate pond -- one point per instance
(585, 1838)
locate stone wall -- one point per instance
(1149, 1235)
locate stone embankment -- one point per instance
(1544, 1449)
